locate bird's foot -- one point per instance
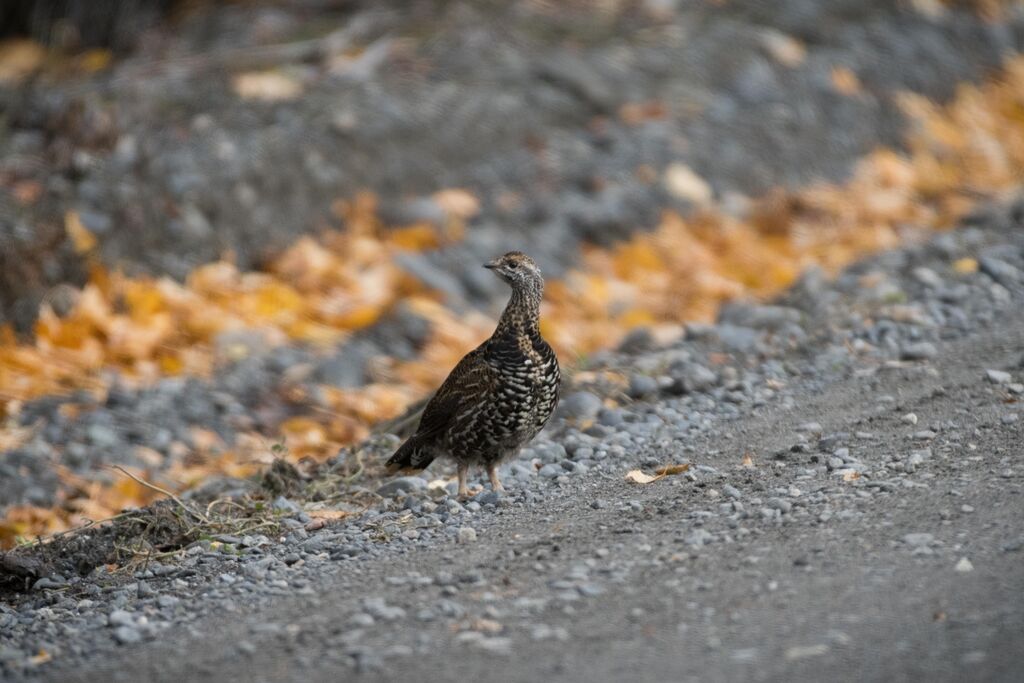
(492, 474)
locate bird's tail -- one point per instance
(414, 454)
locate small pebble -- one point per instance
(964, 566)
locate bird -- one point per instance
(499, 396)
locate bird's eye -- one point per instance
(513, 265)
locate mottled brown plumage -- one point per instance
(499, 395)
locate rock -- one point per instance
(608, 417)
(759, 317)
(917, 457)
(638, 340)
(1002, 272)
(698, 538)
(551, 471)
(964, 566)
(345, 369)
(167, 601)
(120, 617)
(998, 377)
(465, 534)
(916, 540)
(433, 276)
(783, 48)
(909, 418)
(927, 277)
(641, 386)
(546, 632)
(402, 485)
(49, 582)
(580, 405)
(19, 564)
(282, 504)
(579, 78)
(737, 338)
(127, 635)
(379, 609)
(918, 351)
(693, 377)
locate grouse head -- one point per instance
(518, 270)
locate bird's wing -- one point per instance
(469, 382)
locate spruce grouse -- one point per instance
(499, 395)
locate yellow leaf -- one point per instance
(415, 237)
(965, 266)
(457, 202)
(95, 60)
(18, 59)
(268, 86)
(83, 240)
(640, 477)
(682, 182)
(845, 81)
(329, 514)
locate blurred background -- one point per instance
(225, 225)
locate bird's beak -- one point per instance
(492, 264)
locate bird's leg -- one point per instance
(492, 473)
(463, 472)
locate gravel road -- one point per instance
(852, 511)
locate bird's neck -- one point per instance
(522, 313)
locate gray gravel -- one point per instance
(818, 531)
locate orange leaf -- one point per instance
(83, 240)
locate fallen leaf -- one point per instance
(635, 113)
(18, 59)
(457, 202)
(965, 266)
(748, 460)
(329, 514)
(851, 475)
(785, 49)
(639, 477)
(845, 81)
(267, 86)
(682, 183)
(82, 240)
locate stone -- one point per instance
(998, 377)
(916, 540)
(127, 635)
(918, 351)
(641, 386)
(580, 405)
(402, 485)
